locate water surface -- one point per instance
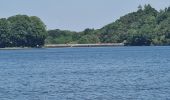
(107, 73)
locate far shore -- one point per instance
(84, 45)
(67, 45)
(70, 46)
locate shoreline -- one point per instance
(66, 45)
(84, 45)
(72, 46)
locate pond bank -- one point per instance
(67, 45)
(83, 45)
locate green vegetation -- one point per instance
(144, 27)
(22, 31)
(62, 37)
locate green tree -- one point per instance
(27, 31)
(38, 33)
(89, 39)
(138, 40)
(4, 33)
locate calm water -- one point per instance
(121, 73)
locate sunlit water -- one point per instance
(111, 73)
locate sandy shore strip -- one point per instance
(67, 45)
(84, 45)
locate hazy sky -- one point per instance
(75, 14)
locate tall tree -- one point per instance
(27, 31)
(39, 33)
(4, 33)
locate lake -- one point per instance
(103, 73)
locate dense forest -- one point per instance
(146, 26)
(22, 31)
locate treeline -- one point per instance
(22, 31)
(64, 36)
(146, 26)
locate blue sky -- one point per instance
(75, 15)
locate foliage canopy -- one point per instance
(22, 31)
(146, 26)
